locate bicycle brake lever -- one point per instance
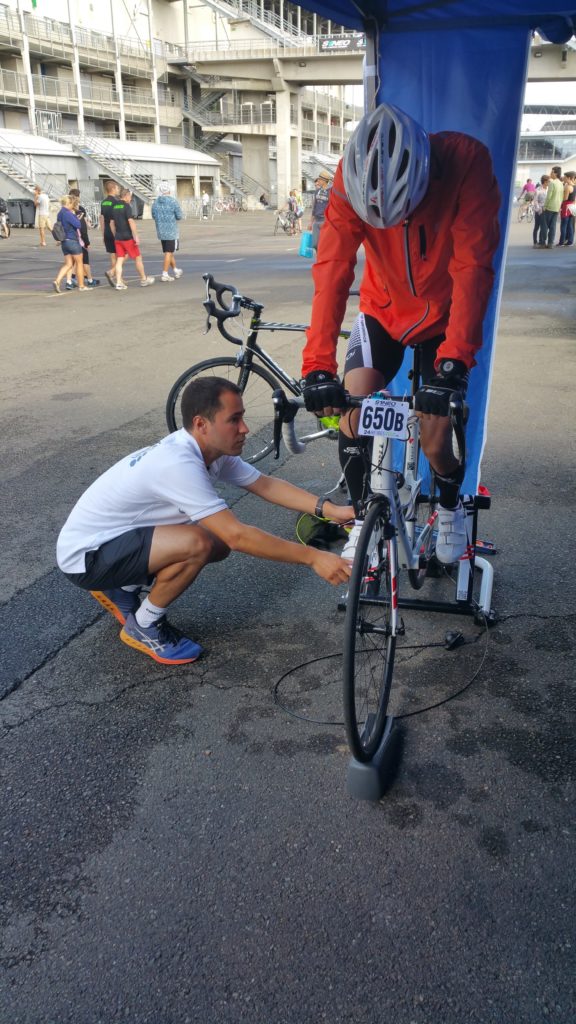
(279, 402)
(208, 325)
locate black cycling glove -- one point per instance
(322, 390)
(434, 397)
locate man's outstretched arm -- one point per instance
(253, 541)
(280, 492)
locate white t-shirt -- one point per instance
(165, 484)
(43, 204)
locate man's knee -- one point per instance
(206, 546)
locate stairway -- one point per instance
(111, 160)
(13, 163)
(267, 21)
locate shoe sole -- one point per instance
(139, 646)
(109, 606)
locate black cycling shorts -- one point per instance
(370, 345)
(121, 562)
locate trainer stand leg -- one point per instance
(370, 780)
(485, 598)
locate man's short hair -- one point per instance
(109, 185)
(125, 192)
(201, 397)
(75, 192)
(557, 171)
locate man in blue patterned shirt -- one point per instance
(166, 212)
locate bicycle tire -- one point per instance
(530, 215)
(369, 647)
(256, 385)
(278, 224)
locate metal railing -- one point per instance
(303, 46)
(27, 170)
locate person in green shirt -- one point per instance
(552, 204)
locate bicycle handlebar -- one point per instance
(285, 410)
(227, 309)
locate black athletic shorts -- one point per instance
(121, 562)
(110, 247)
(170, 245)
(370, 345)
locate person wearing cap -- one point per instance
(425, 208)
(166, 212)
(319, 204)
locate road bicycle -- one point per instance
(255, 372)
(525, 212)
(397, 540)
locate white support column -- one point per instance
(118, 78)
(283, 148)
(25, 51)
(154, 74)
(76, 70)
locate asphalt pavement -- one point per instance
(177, 845)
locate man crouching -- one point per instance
(155, 517)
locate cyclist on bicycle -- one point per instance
(528, 193)
(425, 207)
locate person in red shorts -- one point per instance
(126, 241)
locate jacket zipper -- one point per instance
(406, 226)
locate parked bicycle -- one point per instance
(254, 371)
(286, 222)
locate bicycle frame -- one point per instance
(404, 546)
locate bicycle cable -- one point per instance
(409, 647)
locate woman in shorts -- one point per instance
(71, 246)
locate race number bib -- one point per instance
(381, 417)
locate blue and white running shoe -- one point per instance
(161, 641)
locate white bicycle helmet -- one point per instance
(386, 166)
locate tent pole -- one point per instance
(370, 65)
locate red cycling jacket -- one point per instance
(430, 275)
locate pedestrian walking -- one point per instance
(80, 211)
(166, 212)
(42, 204)
(111, 193)
(205, 205)
(123, 227)
(71, 245)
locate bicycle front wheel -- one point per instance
(369, 646)
(256, 385)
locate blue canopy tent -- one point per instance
(458, 65)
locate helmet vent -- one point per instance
(403, 164)
(391, 139)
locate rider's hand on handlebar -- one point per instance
(433, 398)
(323, 393)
